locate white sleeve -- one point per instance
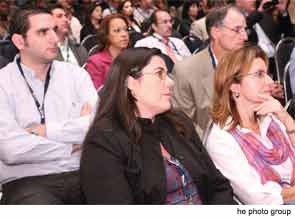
(231, 161)
(185, 52)
(73, 131)
(18, 146)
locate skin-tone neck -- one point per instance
(193, 18)
(247, 115)
(114, 51)
(165, 39)
(40, 69)
(61, 37)
(217, 50)
(95, 22)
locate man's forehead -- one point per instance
(234, 17)
(41, 21)
(163, 15)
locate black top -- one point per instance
(114, 171)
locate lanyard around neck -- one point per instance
(212, 57)
(40, 108)
(169, 41)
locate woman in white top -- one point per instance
(252, 138)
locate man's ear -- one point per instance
(18, 40)
(214, 32)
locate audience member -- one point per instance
(143, 12)
(160, 4)
(111, 9)
(194, 76)
(161, 28)
(113, 37)
(45, 107)
(189, 15)
(252, 138)
(69, 50)
(126, 8)
(265, 31)
(138, 149)
(198, 27)
(93, 19)
(75, 25)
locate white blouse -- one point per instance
(229, 158)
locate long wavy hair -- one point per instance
(230, 70)
(117, 102)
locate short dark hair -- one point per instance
(20, 23)
(217, 15)
(55, 6)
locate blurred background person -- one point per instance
(198, 27)
(143, 12)
(160, 37)
(92, 22)
(113, 37)
(69, 49)
(252, 139)
(152, 153)
(160, 4)
(75, 24)
(125, 7)
(189, 15)
(112, 7)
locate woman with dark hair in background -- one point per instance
(138, 149)
(125, 7)
(189, 15)
(113, 36)
(92, 20)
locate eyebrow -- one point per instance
(160, 68)
(42, 30)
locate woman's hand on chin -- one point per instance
(270, 105)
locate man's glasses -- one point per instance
(237, 30)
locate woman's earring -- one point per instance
(133, 93)
(237, 94)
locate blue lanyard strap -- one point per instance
(169, 41)
(212, 57)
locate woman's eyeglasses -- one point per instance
(260, 74)
(161, 74)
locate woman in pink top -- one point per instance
(113, 36)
